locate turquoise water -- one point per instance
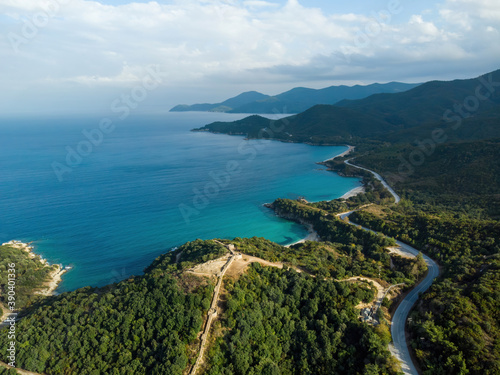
(146, 187)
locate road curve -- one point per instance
(378, 177)
(399, 348)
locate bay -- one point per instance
(149, 185)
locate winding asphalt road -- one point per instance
(378, 177)
(399, 348)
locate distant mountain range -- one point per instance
(296, 100)
(395, 117)
(439, 142)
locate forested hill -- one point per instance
(321, 124)
(470, 106)
(460, 176)
(271, 321)
(295, 100)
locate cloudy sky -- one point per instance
(80, 55)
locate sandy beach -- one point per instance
(313, 236)
(352, 193)
(345, 153)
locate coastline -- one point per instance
(248, 138)
(49, 286)
(313, 235)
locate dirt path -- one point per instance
(19, 371)
(212, 312)
(232, 264)
(376, 284)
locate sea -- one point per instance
(105, 196)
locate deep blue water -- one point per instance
(121, 206)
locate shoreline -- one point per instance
(247, 138)
(312, 236)
(353, 192)
(48, 287)
(345, 153)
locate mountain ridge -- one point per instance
(296, 100)
(398, 117)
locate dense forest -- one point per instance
(335, 260)
(463, 177)
(451, 214)
(142, 325)
(5, 371)
(365, 252)
(278, 321)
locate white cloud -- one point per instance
(259, 4)
(483, 9)
(208, 42)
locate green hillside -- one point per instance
(455, 327)
(464, 177)
(321, 124)
(430, 101)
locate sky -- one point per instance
(77, 55)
